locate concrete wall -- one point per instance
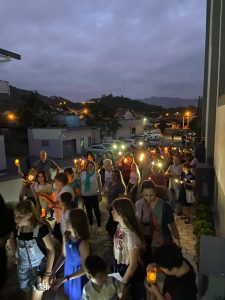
(126, 125)
(54, 138)
(51, 136)
(10, 189)
(78, 135)
(215, 109)
(2, 153)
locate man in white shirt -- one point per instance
(173, 173)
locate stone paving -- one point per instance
(102, 245)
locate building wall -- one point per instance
(2, 153)
(126, 125)
(47, 139)
(51, 140)
(215, 99)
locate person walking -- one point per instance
(75, 250)
(44, 164)
(34, 251)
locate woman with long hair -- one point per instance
(91, 191)
(41, 185)
(33, 249)
(156, 220)
(133, 182)
(75, 250)
(127, 244)
(116, 189)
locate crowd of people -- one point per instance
(142, 191)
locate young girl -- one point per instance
(42, 186)
(127, 244)
(33, 248)
(75, 250)
(133, 182)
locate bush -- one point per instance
(202, 224)
(206, 217)
(202, 208)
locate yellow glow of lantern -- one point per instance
(152, 275)
(120, 153)
(176, 180)
(75, 161)
(160, 165)
(141, 156)
(17, 161)
(30, 178)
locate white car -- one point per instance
(98, 149)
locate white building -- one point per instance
(130, 127)
(2, 153)
(213, 125)
(62, 142)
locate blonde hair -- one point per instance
(26, 207)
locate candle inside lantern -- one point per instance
(75, 161)
(30, 178)
(17, 161)
(152, 275)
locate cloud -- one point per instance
(83, 49)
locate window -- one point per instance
(133, 130)
(45, 143)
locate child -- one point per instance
(100, 286)
(66, 205)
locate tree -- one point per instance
(162, 125)
(32, 112)
(100, 115)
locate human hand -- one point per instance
(151, 267)
(46, 282)
(153, 289)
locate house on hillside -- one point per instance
(125, 114)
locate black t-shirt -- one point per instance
(181, 288)
(6, 222)
(167, 218)
(42, 232)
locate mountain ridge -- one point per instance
(170, 102)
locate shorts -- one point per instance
(26, 277)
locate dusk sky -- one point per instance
(82, 49)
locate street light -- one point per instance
(11, 116)
(186, 114)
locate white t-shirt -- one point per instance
(93, 184)
(108, 179)
(108, 291)
(124, 240)
(67, 189)
(64, 217)
(45, 189)
(176, 170)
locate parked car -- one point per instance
(98, 149)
